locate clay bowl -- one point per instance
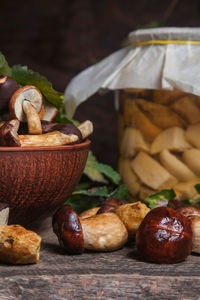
(37, 180)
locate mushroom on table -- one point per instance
(99, 232)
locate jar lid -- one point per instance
(165, 33)
(169, 59)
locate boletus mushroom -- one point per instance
(99, 232)
(26, 105)
(164, 236)
(61, 135)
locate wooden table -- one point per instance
(116, 275)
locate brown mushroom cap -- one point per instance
(67, 227)
(27, 92)
(7, 87)
(67, 129)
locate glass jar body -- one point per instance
(159, 142)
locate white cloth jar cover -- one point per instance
(159, 58)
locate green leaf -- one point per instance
(25, 76)
(186, 201)
(195, 201)
(161, 198)
(108, 172)
(81, 203)
(120, 192)
(83, 185)
(4, 67)
(91, 171)
(197, 187)
(93, 192)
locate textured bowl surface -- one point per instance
(36, 180)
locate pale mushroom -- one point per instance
(19, 245)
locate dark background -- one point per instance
(59, 38)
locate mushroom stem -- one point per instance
(54, 138)
(33, 119)
(86, 128)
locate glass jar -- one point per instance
(159, 142)
(156, 77)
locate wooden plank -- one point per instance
(114, 275)
(95, 286)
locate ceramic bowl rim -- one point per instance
(81, 145)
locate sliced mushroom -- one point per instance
(25, 105)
